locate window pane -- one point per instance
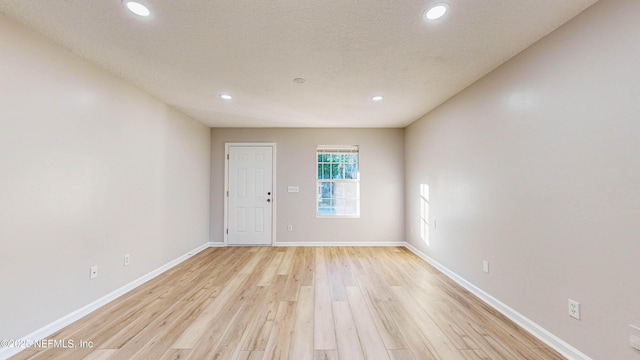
(326, 171)
(351, 207)
(338, 190)
(339, 206)
(325, 190)
(351, 190)
(319, 171)
(335, 157)
(350, 171)
(325, 207)
(319, 157)
(326, 157)
(336, 171)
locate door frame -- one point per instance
(225, 193)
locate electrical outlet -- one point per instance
(93, 272)
(574, 309)
(127, 260)
(485, 266)
(289, 227)
(634, 337)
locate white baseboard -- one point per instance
(66, 320)
(328, 243)
(536, 330)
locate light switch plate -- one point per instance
(485, 266)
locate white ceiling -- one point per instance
(188, 52)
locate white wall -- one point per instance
(91, 168)
(536, 168)
(381, 184)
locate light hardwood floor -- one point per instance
(344, 303)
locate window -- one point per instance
(337, 181)
(424, 213)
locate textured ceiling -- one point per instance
(188, 52)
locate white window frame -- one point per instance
(338, 149)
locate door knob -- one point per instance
(269, 193)
(268, 200)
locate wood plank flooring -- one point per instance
(253, 303)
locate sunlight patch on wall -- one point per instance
(424, 213)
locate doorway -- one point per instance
(249, 195)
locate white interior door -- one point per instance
(250, 200)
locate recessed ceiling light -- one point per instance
(137, 8)
(436, 11)
(377, 98)
(226, 96)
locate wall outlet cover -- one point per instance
(574, 309)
